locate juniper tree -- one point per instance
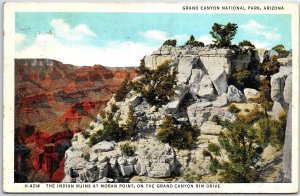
(223, 34)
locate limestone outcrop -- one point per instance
(202, 93)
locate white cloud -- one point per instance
(155, 35)
(19, 38)
(258, 29)
(64, 30)
(206, 39)
(116, 54)
(260, 44)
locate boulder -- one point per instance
(103, 146)
(160, 170)
(250, 93)
(91, 173)
(195, 79)
(185, 67)
(221, 101)
(287, 92)
(180, 93)
(234, 94)
(219, 79)
(206, 89)
(122, 161)
(126, 170)
(278, 83)
(277, 86)
(103, 169)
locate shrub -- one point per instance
(127, 149)
(223, 34)
(206, 153)
(214, 148)
(86, 134)
(113, 132)
(216, 119)
(282, 53)
(181, 136)
(191, 176)
(193, 42)
(86, 156)
(130, 128)
(170, 42)
(271, 67)
(233, 109)
(157, 86)
(253, 115)
(124, 89)
(241, 77)
(114, 108)
(214, 165)
(271, 132)
(246, 43)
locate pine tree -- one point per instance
(242, 146)
(223, 34)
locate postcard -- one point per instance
(151, 97)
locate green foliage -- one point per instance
(86, 134)
(271, 67)
(125, 88)
(241, 77)
(170, 42)
(112, 131)
(223, 34)
(206, 153)
(181, 136)
(216, 119)
(253, 116)
(282, 53)
(233, 109)
(193, 42)
(130, 128)
(264, 98)
(157, 86)
(114, 108)
(246, 43)
(214, 148)
(214, 165)
(273, 134)
(241, 143)
(127, 149)
(86, 156)
(191, 176)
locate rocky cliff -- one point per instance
(202, 91)
(52, 102)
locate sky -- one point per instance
(122, 39)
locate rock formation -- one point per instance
(202, 92)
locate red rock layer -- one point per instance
(56, 100)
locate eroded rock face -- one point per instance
(278, 83)
(152, 159)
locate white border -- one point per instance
(8, 91)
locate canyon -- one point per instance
(53, 101)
